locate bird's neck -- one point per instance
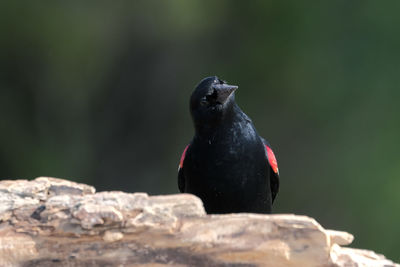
(206, 130)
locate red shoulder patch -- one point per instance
(272, 160)
(183, 157)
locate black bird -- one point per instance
(227, 164)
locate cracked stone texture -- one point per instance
(55, 222)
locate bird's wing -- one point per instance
(181, 177)
(274, 171)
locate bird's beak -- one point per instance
(224, 91)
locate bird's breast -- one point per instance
(228, 148)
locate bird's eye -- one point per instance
(203, 101)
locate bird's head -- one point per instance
(211, 100)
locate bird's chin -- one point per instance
(218, 107)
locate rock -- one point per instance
(54, 222)
(339, 237)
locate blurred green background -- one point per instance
(97, 92)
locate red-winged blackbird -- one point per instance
(227, 164)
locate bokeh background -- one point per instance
(97, 92)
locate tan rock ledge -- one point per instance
(54, 222)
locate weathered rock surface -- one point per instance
(54, 222)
